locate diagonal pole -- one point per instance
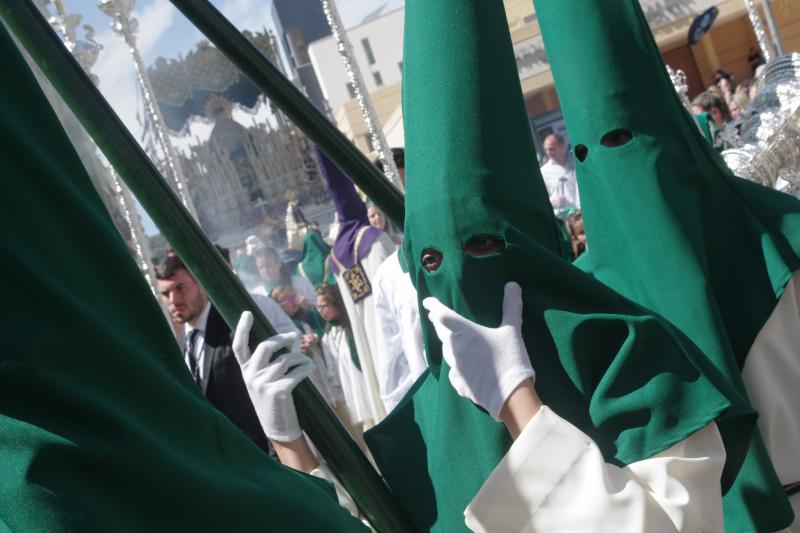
(295, 105)
(154, 194)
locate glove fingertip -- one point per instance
(512, 303)
(241, 337)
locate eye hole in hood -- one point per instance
(581, 152)
(615, 138)
(482, 245)
(431, 259)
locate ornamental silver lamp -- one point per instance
(126, 26)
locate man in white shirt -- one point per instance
(559, 173)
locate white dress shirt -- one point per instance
(561, 182)
(199, 340)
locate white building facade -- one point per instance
(378, 47)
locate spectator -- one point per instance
(377, 219)
(559, 173)
(207, 351)
(577, 236)
(740, 102)
(713, 117)
(245, 266)
(342, 356)
(274, 273)
(724, 82)
(312, 327)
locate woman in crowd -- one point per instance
(377, 219)
(273, 274)
(312, 327)
(341, 355)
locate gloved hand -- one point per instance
(270, 384)
(486, 364)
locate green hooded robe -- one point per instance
(101, 425)
(668, 225)
(314, 264)
(611, 368)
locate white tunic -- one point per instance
(362, 320)
(554, 479)
(771, 375)
(400, 354)
(337, 354)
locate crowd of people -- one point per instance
(722, 105)
(366, 346)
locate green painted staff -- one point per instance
(668, 225)
(101, 426)
(225, 290)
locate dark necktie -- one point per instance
(191, 355)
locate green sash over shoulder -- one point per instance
(101, 425)
(668, 225)
(617, 371)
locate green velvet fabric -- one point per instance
(619, 373)
(101, 425)
(667, 224)
(315, 256)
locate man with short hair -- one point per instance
(207, 349)
(559, 173)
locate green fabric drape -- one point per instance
(101, 425)
(668, 225)
(314, 263)
(616, 371)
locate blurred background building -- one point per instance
(730, 45)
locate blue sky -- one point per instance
(169, 33)
(164, 31)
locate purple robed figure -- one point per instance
(352, 213)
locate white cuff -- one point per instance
(545, 435)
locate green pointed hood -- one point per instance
(314, 264)
(667, 224)
(101, 425)
(471, 173)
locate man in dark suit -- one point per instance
(207, 349)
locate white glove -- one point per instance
(486, 364)
(270, 384)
